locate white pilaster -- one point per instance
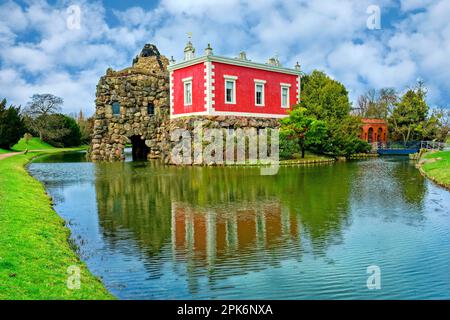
(213, 79)
(171, 86)
(207, 82)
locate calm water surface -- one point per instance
(156, 232)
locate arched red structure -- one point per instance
(374, 130)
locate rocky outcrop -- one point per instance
(211, 122)
(142, 94)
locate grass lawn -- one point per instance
(438, 170)
(34, 250)
(33, 144)
(308, 156)
(4, 151)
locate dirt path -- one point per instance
(7, 155)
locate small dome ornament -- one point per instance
(297, 66)
(208, 50)
(189, 50)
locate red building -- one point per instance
(213, 85)
(374, 130)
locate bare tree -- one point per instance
(40, 106)
(375, 104)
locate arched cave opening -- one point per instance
(139, 148)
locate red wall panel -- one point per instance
(197, 72)
(245, 89)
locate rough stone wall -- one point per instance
(146, 82)
(216, 122)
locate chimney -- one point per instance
(274, 62)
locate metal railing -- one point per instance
(408, 147)
(434, 145)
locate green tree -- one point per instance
(437, 125)
(40, 106)
(324, 97)
(303, 128)
(343, 137)
(11, 125)
(86, 127)
(327, 100)
(61, 130)
(408, 118)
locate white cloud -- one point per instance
(40, 54)
(28, 57)
(409, 5)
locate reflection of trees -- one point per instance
(383, 185)
(410, 183)
(319, 196)
(128, 199)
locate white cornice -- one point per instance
(228, 77)
(186, 63)
(235, 62)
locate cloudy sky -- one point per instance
(42, 49)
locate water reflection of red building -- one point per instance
(210, 234)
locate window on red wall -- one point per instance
(259, 94)
(230, 91)
(187, 92)
(285, 96)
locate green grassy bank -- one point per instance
(34, 250)
(33, 144)
(436, 166)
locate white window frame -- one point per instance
(186, 82)
(231, 79)
(263, 95)
(286, 86)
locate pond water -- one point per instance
(155, 232)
